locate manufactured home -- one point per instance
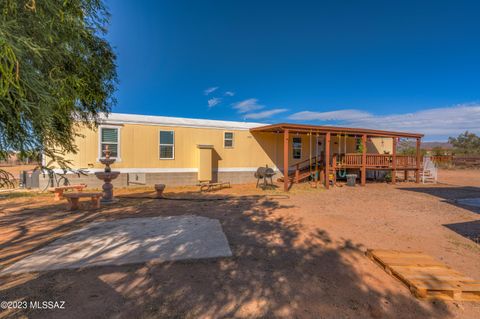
(181, 151)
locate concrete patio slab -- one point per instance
(127, 241)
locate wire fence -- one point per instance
(16, 162)
(457, 160)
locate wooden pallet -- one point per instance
(426, 277)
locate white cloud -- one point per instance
(247, 106)
(214, 101)
(229, 93)
(264, 114)
(440, 122)
(341, 115)
(210, 90)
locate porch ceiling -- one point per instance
(303, 128)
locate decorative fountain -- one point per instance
(107, 176)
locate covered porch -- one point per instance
(332, 149)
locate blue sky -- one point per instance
(400, 65)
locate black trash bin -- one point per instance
(351, 178)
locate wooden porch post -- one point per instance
(327, 160)
(364, 160)
(334, 168)
(394, 160)
(417, 172)
(317, 172)
(285, 161)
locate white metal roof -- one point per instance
(120, 118)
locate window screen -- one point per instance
(167, 147)
(228, 140)
(109, 136)
(297, 148)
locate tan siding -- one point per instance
(139, 148)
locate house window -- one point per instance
(167, 145)
(228, 139)
(109, 137)
(297, 147)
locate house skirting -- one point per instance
(145, 177)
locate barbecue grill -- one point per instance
(265, 173)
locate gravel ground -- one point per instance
(294, 256)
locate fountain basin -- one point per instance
(106, 161)
(104, 176)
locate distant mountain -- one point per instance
(430, 145)
(427, 145)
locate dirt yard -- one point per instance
(296, 255)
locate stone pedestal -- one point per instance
(107, 187)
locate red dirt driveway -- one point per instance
(294, 256)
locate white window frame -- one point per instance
(100, 155)
(301, 147)
(173, 145)
(233, 140)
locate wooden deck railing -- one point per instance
(407, 161)
(379, 160)
(354, 160)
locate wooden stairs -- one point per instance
(429, 172)
(428, 177)
(302, 170)
(303, 175)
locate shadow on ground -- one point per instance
(450, 194)
(278, 269)
(470, 230)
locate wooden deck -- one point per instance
(426, 277)
(315, 166)
(362, 161)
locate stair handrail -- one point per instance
(298, 169)
(303, 161)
